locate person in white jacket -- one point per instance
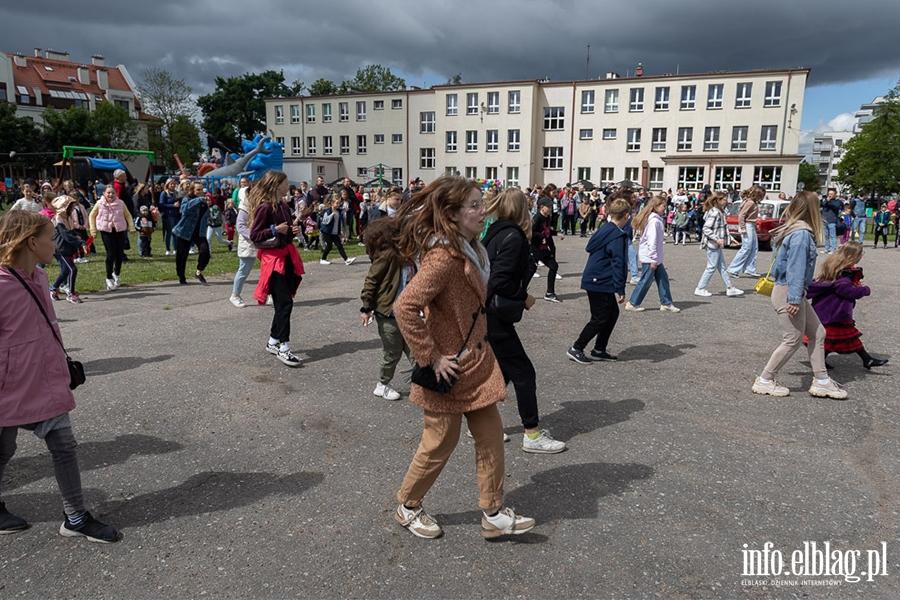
(650, 254)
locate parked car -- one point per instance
(771, 215)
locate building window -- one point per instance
(450, 171)
(344, 111)
(554, 117)
(739, 138)
(320, 170)
(742, 99)
(611, 103)
(714, 96)
(584, 173)
(515, 101)
(728, 177)
(688, 97)
(690, 178)
(513, 138)
(636, 103)
(426, 158)
(345, 144)
(310, 113)
(587, 101)
(280, 140)
(609, 134)
(397, 176)
(711, 139)
(553, 158)
(379, 138)
(607, 176)
(493, 141)
(295, 113)
(451, 141)
(311, 145)
(493, 103)
(685, 139)
(427, 122)
(25, 98)
(586, 134)
(662, 99)
(279, 114)
(360, 144)
(767, 137)
(397, 138)
(295, 145)
(773, 94)
(768, 178)
(471, 141)
(634, 140)
(378, 105)
(656, 178)
(361, 111)
(327, 148)
(472, 103)
(658, 141)
(362, 172)
(397, 104)
(631, 173)
(451, 105)
(512, 176)
(326, 113)
(471, 172)
(490, 172)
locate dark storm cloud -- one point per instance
(486, 40)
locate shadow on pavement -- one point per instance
(654, 352)
(105, 296)
(576, 418)
(339, 349)
(322, 302)
(105, 366)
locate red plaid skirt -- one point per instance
(842, 338)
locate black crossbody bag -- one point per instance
(76, 369)
(428, 379)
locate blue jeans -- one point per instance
(745, 259)
(632, 260)
(243, 271)
(169, 223)
(715, 261)
(858, 226)
(830, 237)
(643, 286)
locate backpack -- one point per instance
(215, 216)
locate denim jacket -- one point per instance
(191, 210)
(795, 264)
(859, 207)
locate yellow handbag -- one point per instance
(766, 284)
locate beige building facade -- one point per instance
(727, 129)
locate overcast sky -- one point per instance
(852, 47)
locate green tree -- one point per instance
(237, 108)
(114, 127)
(871, 160)
(71, 127)
(20, 135)
(375, 78)
(323, 87)
(456, 79)
(809, 176)
(185, 138)
(167, 99)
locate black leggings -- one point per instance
(281, 286)
(67, 272)
(516, 367)
(183, 248)
(114, 242)
(604, 314)
(881, 231)
(327, 240)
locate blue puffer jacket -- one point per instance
(607, 264)
(191, 210)
(167, 204)
(795, 264)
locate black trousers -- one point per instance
(327, 240)
(546, 257)
(280, 287)
(516, 367)
(114, 243)
(604, 314)
(182, 250)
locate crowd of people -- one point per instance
(452, 251)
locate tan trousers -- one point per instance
(804, 322)
(440, 437)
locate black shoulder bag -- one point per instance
(428, 379)
(76, 369)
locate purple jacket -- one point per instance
(833, 301)
(34, 377)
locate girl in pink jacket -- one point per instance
(34, 376)
(650, 253)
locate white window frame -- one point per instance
(662, 98)
(493, 141)
(279, 114)
(514, 104)
(722, 181)
(472, 140)
(688, 97)
(397, 175)
(378, 138)
(360, 110)
(296, 148)
(490, 173)
(658, 138)
(611, 101)
(326, 112)
(743, 95)
(609, 133)
(657, 178)
(311, 145)
(471, 172)
(691, 183)
(771, 183)
(773, 94)
(711, 137)
(295, 114)
(636, 100)
(715, 96)
(362, 172)
(552, 158)
(345, 148)
(361, 144)
(452, 105)
(472, 103)
(327, 146)
(426, 122)
(585, 134)
(310, 113)
(514, 140)
(685, 139)
(512, 176)
(377, 104)
(493, 103)
(427, 160)
(633, 143)
(584, 173)
(397, 104)
(632, 173)
(587, 101)
(451, 141)
(344, 112)
(607, 176)
(738, 141)
(768, 138)
(396, 138)
(554, 118)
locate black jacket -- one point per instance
(511, 264)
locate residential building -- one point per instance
(668, 131)
(827, 152)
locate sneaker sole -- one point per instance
(825, 394)
(273, 351)
(494, 533)
(425, 536)
(14, 531)
(289, 363)
(537, 451)
(762, 392)
(70, 533)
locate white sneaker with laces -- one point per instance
(702, 292)
(385, 391)
(669, 308)
(110, 284)
(237, 301)
(505, 522)
(287, 357)
(116, 279)
(733, 291)
(349, 261)
(419, 522)
(543, 444)
(769, 389)
(324, 262)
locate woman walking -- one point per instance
(793, 270)
(191, 229)
(110, 217)
(169, 205)
(331, 230)
(745, 259)
(650, 253)
(246, 252)
(441, 224)
(715, 236)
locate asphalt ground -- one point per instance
(233, 476)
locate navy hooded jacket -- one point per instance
(607, 264)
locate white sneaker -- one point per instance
(558, 276)
(832, 389)
(64, 288)
(733, 291)
(540, 264)
(269, 301)
(419, 522)
(349, 261)
(505, 522)
(702, 292)
(469, 434)
(631, 307)
(635, 281)
(116, 279)
(81, 261)
(110, 284)
(324, 262)
(192, 251)
(669, 308)
(287, 357)
(237, 301)
(536, 275)
(386, 391)
(769, 389)
(543, 444)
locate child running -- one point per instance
(67, 245)
(650, 253)
(833, 295)
(37, 396)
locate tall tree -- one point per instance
(323, 87)
(871, 160)
(20, 135)
(237, 109)
(114, 127)
(167, 99)
(185, 137)
(375, 78)
(71, 127)
(809, 175)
